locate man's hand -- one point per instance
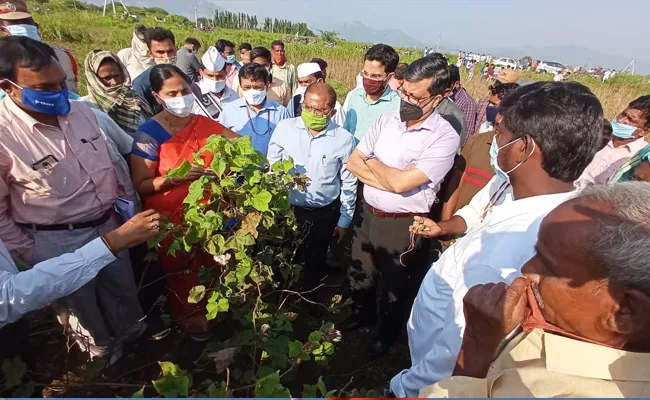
(135, 231)
(425, 227)
(339, 233)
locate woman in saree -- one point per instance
(164, 142)
(636, 168)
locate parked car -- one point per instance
(506, 62)
(551, 67)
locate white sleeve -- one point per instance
(473, 212)
(123, 141)
(22, 292)
(339, 117)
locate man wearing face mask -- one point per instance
(402, 161)
(136, 58)
(629, 129)
(16, 20)
(254, 114)
(309, 73)
(546, 135)
(227, 50)
(58, 190)
(320, 149)
(211, 92)
(365, 105)
(162, 49)
(186, 58)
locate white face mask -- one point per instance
(301, 90)
(212, 86)
(179, 106)
(255, 97)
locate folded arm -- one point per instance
(357, 165)
(395, 180)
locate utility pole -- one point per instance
(438, 45)
(196, 16)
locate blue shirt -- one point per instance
(323, 158)
(360, 114)
(142, 86)
(239, 117)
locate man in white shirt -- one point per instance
(541, 145)
(211, 92)
(309, 73)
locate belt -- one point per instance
(70, 227)
(384, 214)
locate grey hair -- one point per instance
(621, 245)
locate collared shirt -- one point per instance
(209, 104)
(493, 251)
(467, 104)
(51, 175)
(188, 63)
(288, 75)
(47, 281)
(481, 108)
(544, 365)
(607, 161)
(360, 114)
(142, 86)
(277, 91)
(430, 147)
(239, 117)
(232, 74)
(323, 158)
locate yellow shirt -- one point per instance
(541, 364)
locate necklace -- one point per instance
(173, 129)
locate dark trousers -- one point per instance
(317, 225)
(376, 248)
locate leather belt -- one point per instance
(70, 227)
(384, 214)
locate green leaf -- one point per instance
(93, 368)
(175, 246)
(295, 348)
(139, 394)
(175, 381)
(328, 348)
(216, 245)
(13, 369)
(196, 192)
(311, 391)
(239, 241)
(197, 293)
(243, 269)
(205, 277)
(261, 201)
(216, 304)
(180, 171)
(218, 165)
(287, 165)
(270, 386)
(314, 337)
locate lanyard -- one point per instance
(495, 199)
(268, 121)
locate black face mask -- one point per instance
(409, 112)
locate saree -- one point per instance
(625, 173)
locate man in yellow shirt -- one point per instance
(577, 324)
(283, 69)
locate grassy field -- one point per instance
(83, 31)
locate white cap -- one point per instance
(306, 69)
(212, 60)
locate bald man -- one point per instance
(320, 149)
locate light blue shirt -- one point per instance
(22, 292)
(323, 158)
(360, 114)
(259, 126)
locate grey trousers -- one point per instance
(105, 311)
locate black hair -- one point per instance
(385, 54)
(642, 104)
(222, 44)
(254, 71)
(23, 52)
(158, 35)
(160, 73)
(277, 43)
(429, 67)
(454, 75)
(193, 41)
(261, 52)
(608, 132)
(501, 90)
(330, 91)
(399, 71)
(245, 46)
(321, 63)
(140, 31)
(565, 121)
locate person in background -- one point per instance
(508, 76)
(283, 69)
(448, 110)
(636, 168)
(162, 49)
(244, 53)
(471, 68)
(402, 161)
(186, 58)
(309, 73)
(463, 100)
(16, 20)
(541, 145)
(277, 90)
(254, 114)
(227, 50)
(57, 192)
(323, 66)
(109, 90)
(211, 93)
(576, 324)
(320, 149)
(166, 141)
(628, 130)
(397, 79)
(137, 58)
(365, 105)
(497, 92)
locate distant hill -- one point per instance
(359, 32)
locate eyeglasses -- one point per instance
(376, 77)
(411, 98)
(317, 111)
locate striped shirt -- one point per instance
(466, 103)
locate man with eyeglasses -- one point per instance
(320, 149)
(402, 161)
(366, 104)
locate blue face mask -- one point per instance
(231, 59)
(48, 103)
(494, 154)
(24, 30)
(622, 131)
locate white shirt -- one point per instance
(22, 292)
(494, 251)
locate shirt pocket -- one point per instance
(92, 153)
(60, 181)
(329, 167)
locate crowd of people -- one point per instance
(504, 236)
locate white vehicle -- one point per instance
(551, 67)
(506, 62)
